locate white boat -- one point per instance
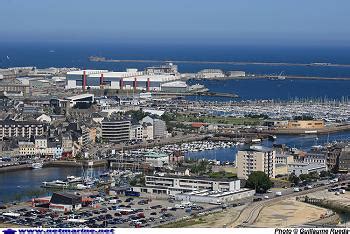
(55, 184)
(37, 165)
(74, 179)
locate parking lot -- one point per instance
(110, 212)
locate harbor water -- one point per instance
(18, 183)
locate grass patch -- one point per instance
(220, 120)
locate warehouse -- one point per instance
(77, 79)
(131, 79)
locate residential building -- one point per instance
(159, 128)
(26, 148)
(256, 158)
(147, 130)
(116, 129)
(136, 132)
(40, 143)
(12, 128)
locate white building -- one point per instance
(256, 158)
(171, 185)
(157, 159)
(147, 131)
(136, 132)
(159, 126)
(305, 168)
(40, 143)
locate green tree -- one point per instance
(293, 179)
(259, 181)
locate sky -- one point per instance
(177, 21)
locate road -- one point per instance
(250, 214)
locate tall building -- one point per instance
(116, 130)
(159, 128)
(256, 158)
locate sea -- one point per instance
(75, 54)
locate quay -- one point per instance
(321, 131)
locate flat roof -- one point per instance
(194, 178)
(86, 95)
(87, 72)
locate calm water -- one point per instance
(16, 182)
(76, 55)
(300, 142)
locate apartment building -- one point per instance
(116, 130)
(11, 128)
(256, 158)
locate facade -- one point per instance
(256, 159)
(78, 99)
(344, 159)
(216, 197)
(65, 202)
(131, 79)
(12, 128)
(159, 128)
(304, 168)
(210, 73)
(168, 68)
(284, 159)
(306, 124)
(136, 132)
(147, 129)
(40, 143)
(175, 87)
(75, 79)
(26, 148)
(115, 130)
(171, 185)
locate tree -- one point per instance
(259, 181)
(293, 179)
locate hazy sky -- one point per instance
(178, 21)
